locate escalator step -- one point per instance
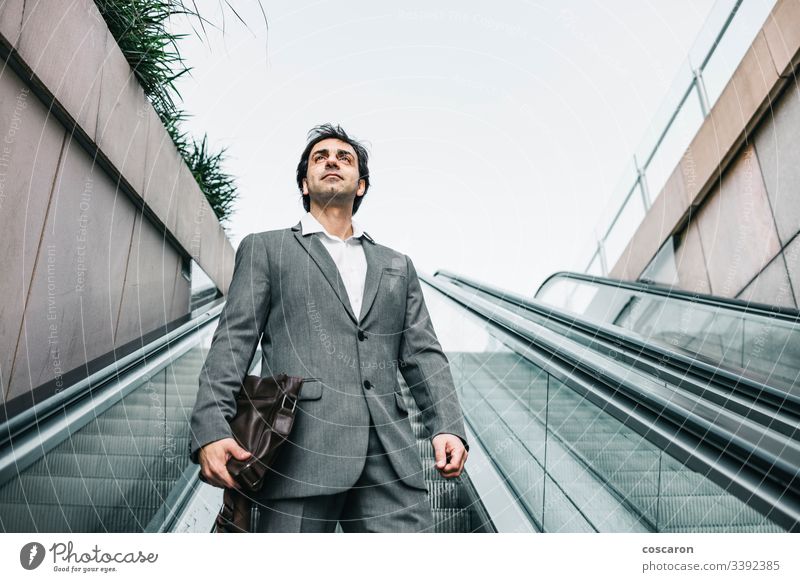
(687, 482)
(44, 490)
(144, 398)
(132, 411)
(609, 462)
(66, 464)
(130, 426)
(452, 520)
(147, 446)
(73, 518)
(425, 451)
(704, 511)
(591, 445)
(112, 467)
(443, 494)
(726, 528)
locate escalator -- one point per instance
(111, 453)
(682, 449)
(564, 435)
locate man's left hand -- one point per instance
(450, 455)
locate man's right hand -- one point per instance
(214, 460)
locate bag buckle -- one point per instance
(283, 403)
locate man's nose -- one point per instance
(332, 163)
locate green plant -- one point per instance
(218, 187)
(139, 27)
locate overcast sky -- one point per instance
(496, 131)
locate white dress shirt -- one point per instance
(348, 255)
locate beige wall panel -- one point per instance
(181, 294)
(64, 44)
(149, 283)
(223, 258)
(741, 99)
(11, 19)
(162, 173)
(690, 263)
(771, 286)
(194, 211)
(736, 227)
(30, 146)
(782, 32)
(122, 120)
(77, 283)
(201, 233)
(778, 150)
(791, 254)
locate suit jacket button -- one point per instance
(361, 335)
(367, 384)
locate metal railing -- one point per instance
(725, 37)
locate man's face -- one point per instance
(332, 177)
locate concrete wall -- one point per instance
(99, 214)
(727, 219)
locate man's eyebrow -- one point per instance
(325, 152)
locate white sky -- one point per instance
(496, 133)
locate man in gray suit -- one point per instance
(330, 304)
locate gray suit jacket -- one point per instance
(287, 291)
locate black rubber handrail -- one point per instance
(40, 411)
(781, 313)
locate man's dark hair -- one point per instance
(327, 131)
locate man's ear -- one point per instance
(362, 185)
(305, 186)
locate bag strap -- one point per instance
(234, 517)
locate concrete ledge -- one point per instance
(64, 45)
(69, 55)
(782, 32)
(122, 116)
(11, 19)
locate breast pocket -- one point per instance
(391, 300)
(393, 277)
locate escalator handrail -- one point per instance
(781, 313)
(635, 399)
(30, 417)
(749, 387)
(29, 446)
(646, 389)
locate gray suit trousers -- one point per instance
(378, 502)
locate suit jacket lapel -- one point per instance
(374, 269)
(323, 260)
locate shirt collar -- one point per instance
(311, 225)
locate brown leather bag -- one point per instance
(265, 412)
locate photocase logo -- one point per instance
(31, 555)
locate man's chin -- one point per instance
(333, 197)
